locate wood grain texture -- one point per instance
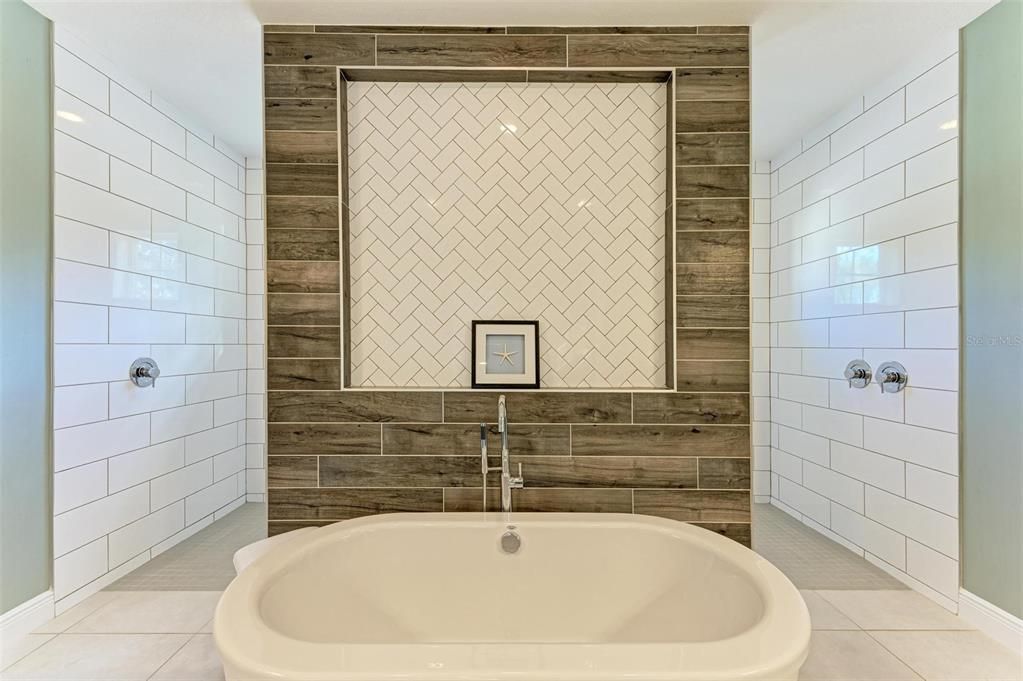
(303, 341)
(711, 30)
(732, 83)
(739, 532)
(292, 276)
(300, 81)
(720, 279)
(712, 311)
(712, 116)
(713, 376)
(302, 212)
(540, 76)
(276, 527)
(400, 471)
(712, 214)
(695, 504)
(343, 504)
(288, 28)
(293, 439)
(301, 146)
(713, 344)
(600, 30)
(609, 471)
(400, 450)
(539, 407)
(303, 374)
(354, 406)
(376, 28)
(659, 440)
(303, 244)
(711, 181)
(316, 309)
(291, 471)
(298, 179)
(692, 408)
(712, 247)
(543, 500)
(695, 149)
(470, 50)
(300, 114)
(435, 75)
(669, 236)
(450, 439)
(724, 473)
(658, 50)
(324, 49)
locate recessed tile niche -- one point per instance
(507, 200)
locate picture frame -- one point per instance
(505, 354)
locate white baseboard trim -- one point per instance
(1003, 627)
(24, 618)
(941, 599)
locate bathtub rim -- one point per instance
(781, 636)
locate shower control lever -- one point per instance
(144, 372)
(857, 372)
(891, 377)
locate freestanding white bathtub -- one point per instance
(586, 597)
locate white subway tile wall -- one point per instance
(764, 309)
(252, 364)
(152, 221)
(863, 254)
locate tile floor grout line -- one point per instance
(172, 655)
(8, 665)
(891, 652)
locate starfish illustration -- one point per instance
(506, 355)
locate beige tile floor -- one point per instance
(125, 636)
(165, 636)
(889, 635)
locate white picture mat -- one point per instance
(528, 331)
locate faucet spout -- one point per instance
(508, 482)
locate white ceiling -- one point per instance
(809, 58)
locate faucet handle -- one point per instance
(144, 372)
(891, 377)
(857, 372)
(517, 482)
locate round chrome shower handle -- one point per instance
(857, 372)
(891, 377)
(144, 372)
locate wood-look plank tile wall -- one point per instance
(337, 453)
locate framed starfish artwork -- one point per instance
(505, 354)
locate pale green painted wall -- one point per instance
(992, 307)
(25, 256)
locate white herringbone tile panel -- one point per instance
(507, 201)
